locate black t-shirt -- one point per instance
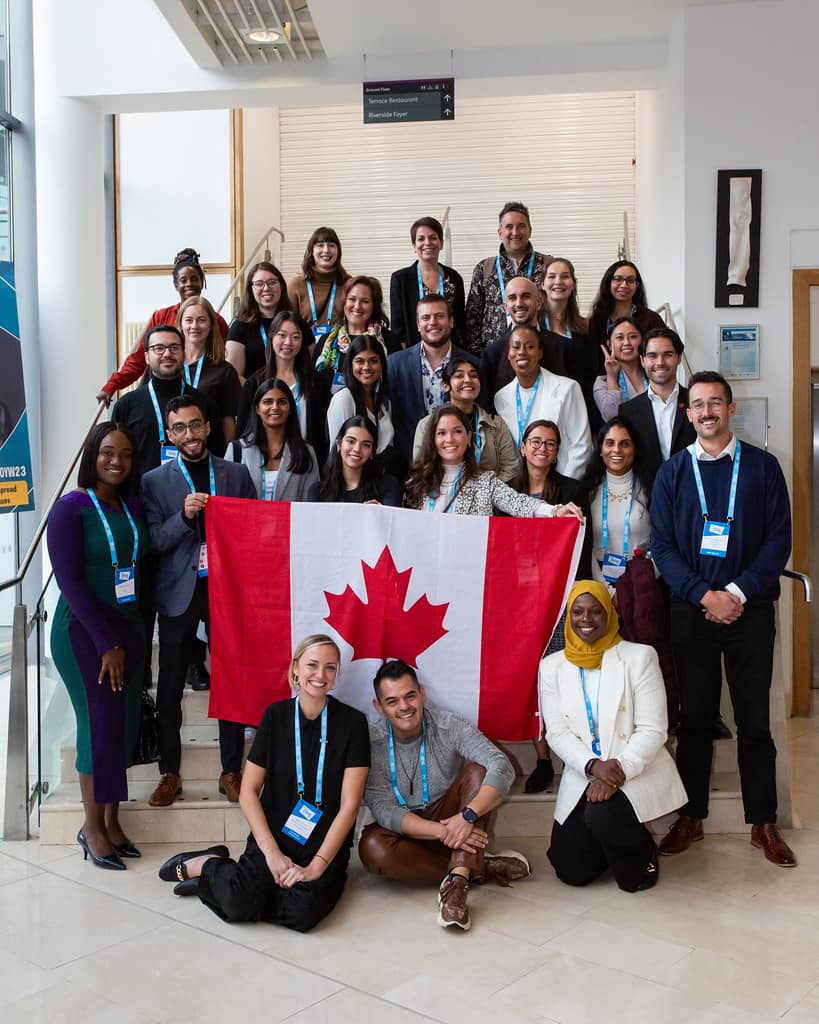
(385, 490)
(274, 749)
(200, 475)
(250, 336)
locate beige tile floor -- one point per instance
(725, 938)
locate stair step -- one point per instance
(202, 815)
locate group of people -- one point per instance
(312, 394)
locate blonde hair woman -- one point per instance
(301, 790)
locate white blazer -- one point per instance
(632, 728)
(558, 399)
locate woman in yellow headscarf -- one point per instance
(603, 703)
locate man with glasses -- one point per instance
(175, 496)
(720, 536)
(143, 410)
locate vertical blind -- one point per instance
(569, 158)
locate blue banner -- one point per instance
(16, 483)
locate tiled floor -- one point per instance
(725, 938)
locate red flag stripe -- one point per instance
(249, 584)
(524, 583)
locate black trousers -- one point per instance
(747, 647)
(599, 836)
(177, 634)
(245, 891)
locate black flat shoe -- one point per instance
(110, 860)
(190, 887)
(541, 778)
(173, 870)
(652, 875)
(126, 849)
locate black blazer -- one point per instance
(638, 411)
(404, 299)
(407, 396)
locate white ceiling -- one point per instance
(346, 29)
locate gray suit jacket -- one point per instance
(289, 486)
(163, 494)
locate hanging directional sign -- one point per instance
(429, 99)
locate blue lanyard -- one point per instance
(109, 535)
(330, 303)
(523, 417)
(732, 497)
(421, 282)
(621, 376)
(548, 326)
(422, 761)
(263, 333)
(626, 523)
(435, 494)
(190, 483)
(160, 426)
(595, 736)
(322, 753)
(200, 362)
(265, 495)
(478, 438)
(501, 282)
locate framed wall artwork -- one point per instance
(739, 196)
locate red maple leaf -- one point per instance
(380, 628)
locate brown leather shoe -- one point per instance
(681, 835)
(230, 783)
(169, 788)
(769, 839)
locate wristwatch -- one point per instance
(469, 815)
(589, 766)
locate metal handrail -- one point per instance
(447, 239)
(264, 240)
(38, 533)
(804, 579)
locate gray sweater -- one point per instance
(450, 742)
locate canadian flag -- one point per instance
(469, 601)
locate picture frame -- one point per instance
(739, 209)
(739, 351)
(750, 421)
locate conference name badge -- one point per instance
(613, 567)
(203, 559)
(319, 330)
(125, 585)
(338, 382)
(715, 538)
(302, 820)
(168, 453)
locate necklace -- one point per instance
(409, 775)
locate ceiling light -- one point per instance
(264, 35)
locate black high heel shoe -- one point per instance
(110, 860)
(126, 849)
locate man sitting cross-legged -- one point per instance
(434, 779)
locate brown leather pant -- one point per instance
(406, 859)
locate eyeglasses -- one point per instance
(537, 443)
(158, 350)
(269, 285)
(619, 279)
(180, 429)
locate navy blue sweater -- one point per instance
(760, 541)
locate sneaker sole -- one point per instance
(453, 924)
(514, 855)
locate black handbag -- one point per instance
(146, 748)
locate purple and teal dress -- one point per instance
(87, 622)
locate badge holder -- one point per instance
(302, 820)
(168, 453)
(715, 538)
(613, 566)
(338, 382)
(125, 585)
(202, 570)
